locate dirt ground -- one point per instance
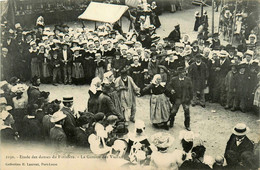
(214, 127)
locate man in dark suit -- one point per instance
(70, 120)
(238, 142)
(198, 72)
(175, 35)
(181, 89)
(57, 136)
(65, 56)
(33, 92)
(224, 67)
(84, 130)
(105, 103)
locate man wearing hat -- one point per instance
(175, 35)
(127, 90)
(84, 130)
(70, 121)
(57, 135)
(33, 92)
(222, 67)
(231, 86)
(66, 63)
(241, 95)
(105, 103)
(6, 64)
(198, 72)
(215, 41)
(180, 88)
(239, 142)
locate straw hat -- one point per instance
(162, 140)
(67, 99)
(57, 116)
(240, 129)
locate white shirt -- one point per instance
(57, 125)
(239, 141)
(65, 56)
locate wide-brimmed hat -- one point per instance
(162, 140)
(223, 53)
(57, 116)
(83, 120)
(121, 129)
(99, 116)
(67, 99)
(240, 129)
(249, 52)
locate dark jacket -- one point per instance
(8, 135)
(198, 75)
(189, 164)
(33, 94)
(69, 57)
(106, 105)
(58, 137)
(183, 89)
(81, 137)
(246, 145)
(32, 129)
(69, 124)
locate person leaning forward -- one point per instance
(181, 88)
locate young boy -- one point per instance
(56, 68)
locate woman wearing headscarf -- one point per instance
(8, 134)
(20, 102)
(94, 92)
(159, 103)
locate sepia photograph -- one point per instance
(130, 84)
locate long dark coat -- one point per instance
(198, 75)
(246, 145)
(69, 125)
(81, 138)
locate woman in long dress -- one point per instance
(94, 92)
(77, 66)
(89, 65)
(159, 103)
(35, 61)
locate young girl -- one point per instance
(35, 67)
(100, 66)
(136, 72)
